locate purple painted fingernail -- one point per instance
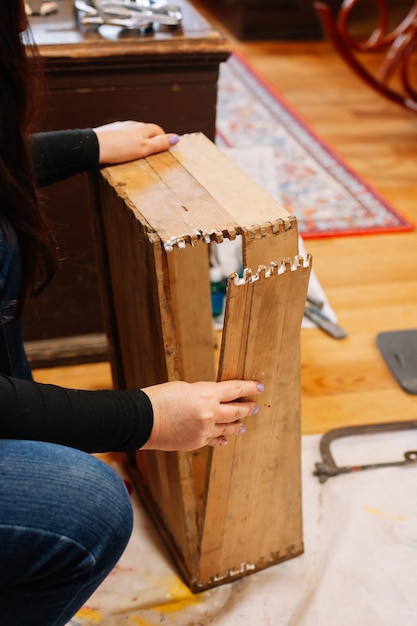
(223, 442)
(261, 387)
(255, 409)
(174, 139)
(242, 429)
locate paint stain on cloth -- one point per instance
(180, 597)
(91, 615)
(388, 516)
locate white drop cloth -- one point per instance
(359, 567)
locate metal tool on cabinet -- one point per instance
(40, 7)
(127, 15)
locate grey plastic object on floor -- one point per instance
(399, 350)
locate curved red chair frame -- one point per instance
(398, 46)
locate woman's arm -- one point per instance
(59, 154)
(126, 141)
(94, 421)
(170, 416)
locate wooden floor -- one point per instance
(371, 281)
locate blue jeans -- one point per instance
(65, 520)
(13, 361)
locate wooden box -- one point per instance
(228, 511)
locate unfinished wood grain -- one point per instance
(168, 200)
(138, 296)
(189, 284)
(194, 192)
(254, 483)
(204, 161)
(146, 330)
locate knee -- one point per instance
(105, 518)
(65, 492)
(56, 497)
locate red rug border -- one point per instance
(407, 225)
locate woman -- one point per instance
(65, 517)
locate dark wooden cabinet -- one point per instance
(168, 77)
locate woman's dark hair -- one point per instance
(19, 203)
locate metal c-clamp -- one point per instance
(328, 468)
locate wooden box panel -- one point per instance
(229, 511)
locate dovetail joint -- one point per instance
(273, 269)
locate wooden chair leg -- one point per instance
(398, 46)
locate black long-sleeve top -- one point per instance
(59, 154)
(94, 421)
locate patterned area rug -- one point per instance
(271, 143)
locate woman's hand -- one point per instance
(188, 416)
(125, 141)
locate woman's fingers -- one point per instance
(159, 143)
(128, 140)
(226, 430)
(188, 416)
(217, 441)
(229, 390)
(156, 139)
(234, 411)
